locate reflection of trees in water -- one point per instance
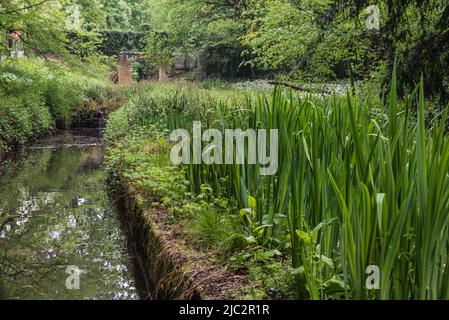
(42, 231)
(93, 159)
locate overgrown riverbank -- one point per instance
(38, 97)
(360, 185)
(189, 245)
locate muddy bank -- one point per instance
(166, 266)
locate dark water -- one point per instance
(55, 218)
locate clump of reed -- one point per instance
(358, 185)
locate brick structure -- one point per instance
(125, 60)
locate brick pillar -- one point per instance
(124, 69)
(163, 72)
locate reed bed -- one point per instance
(358, 185)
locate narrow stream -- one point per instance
(57, 224)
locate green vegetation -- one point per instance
(37, 96)
(363, 157)
(138, 154)
(312, 41)
(57, 77)
(353, 188)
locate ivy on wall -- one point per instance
(114, 42)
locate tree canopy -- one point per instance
(316, 40)
(312, 40)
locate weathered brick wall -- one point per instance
(125, 60)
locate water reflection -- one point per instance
(55, 213)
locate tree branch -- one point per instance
(25, 8)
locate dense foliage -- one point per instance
(59, 72)
(301, 40)
(315, 40)
(362, 177)
(138, 156)
(113, 42)
(37, 96)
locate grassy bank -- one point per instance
(38, 96)
(359, 185)
(138, 160)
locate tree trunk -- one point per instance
(163, 73)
